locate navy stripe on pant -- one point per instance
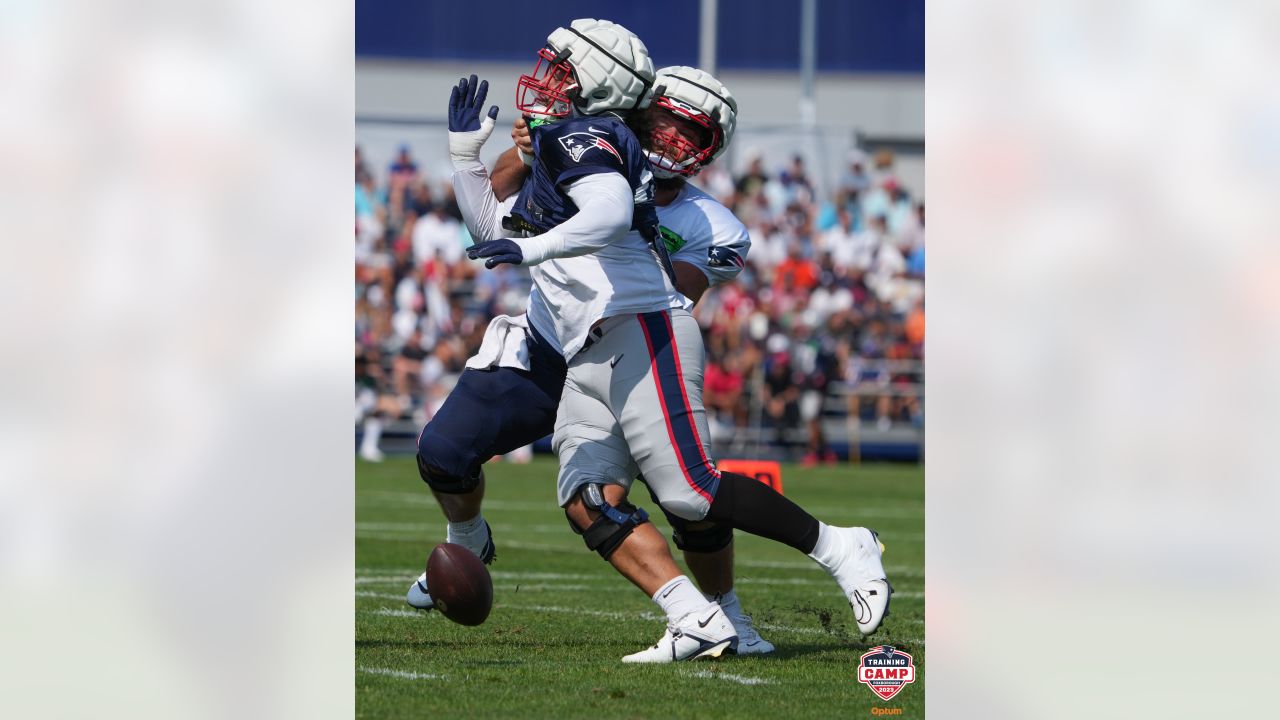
(698, 470)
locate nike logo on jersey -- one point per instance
(613, 365)
(596, 130)
(579, 143)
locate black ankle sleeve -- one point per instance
(751, 506)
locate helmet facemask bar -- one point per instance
(670, 152)
(545, 93)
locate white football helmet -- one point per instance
(590, 67)
(696, 96)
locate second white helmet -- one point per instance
(590, 67)
(696, 96)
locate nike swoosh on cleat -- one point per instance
(862, 608)
(703, 623)
(614, 364)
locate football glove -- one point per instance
(502, 250)
(467, 132)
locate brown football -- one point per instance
(459, 584)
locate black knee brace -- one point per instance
(445, 483)
(710, 539)
(613, 526)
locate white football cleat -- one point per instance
(373, 455)
(702, 634)
(418, 597)
(749, 641)
(861, 576)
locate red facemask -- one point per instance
(545, 93)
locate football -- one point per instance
(460, 584)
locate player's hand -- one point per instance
(523, 139)
(467, 131)
(498, 252)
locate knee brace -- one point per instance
(441, 481)
(710, 539)
(613, 526)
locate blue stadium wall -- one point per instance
(858, 36)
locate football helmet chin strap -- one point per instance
(613, 526)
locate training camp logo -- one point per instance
(578, 143)
(886, 670)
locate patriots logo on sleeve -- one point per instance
(577, 144)
(720, 256)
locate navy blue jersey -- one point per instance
(575, 147)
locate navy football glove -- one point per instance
(465, 102)
(497, 251)
(467, 132)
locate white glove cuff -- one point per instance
(464, 147)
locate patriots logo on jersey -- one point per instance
(577, 144)
(719, 256)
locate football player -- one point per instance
(689, 123)
(507, 396)
(631, 400)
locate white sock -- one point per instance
(728, 602)
(470, 534)
(678, 598)
(372, 434)
(829, 549)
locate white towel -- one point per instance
(504, 344)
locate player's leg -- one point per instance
(489, 412)
(595, 472)
(708, 553)
(660, 409)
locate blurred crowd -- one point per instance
(827, 318)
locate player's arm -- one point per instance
(605, 204)
(513, 165)
(480, 207)
(699, 267)
(690, 280)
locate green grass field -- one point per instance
(562, 617)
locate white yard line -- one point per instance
(740, 679)
(378, 595)
(404, 675)
(398, 612)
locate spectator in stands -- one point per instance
(403, 169)
(902, 212)
(814, 359)
(797, 274)
(722, 390)
(855, 180)
(753, 180)
(781, 391)
(438, 234)
(373, 404)
(406, 370)
(796, 184)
